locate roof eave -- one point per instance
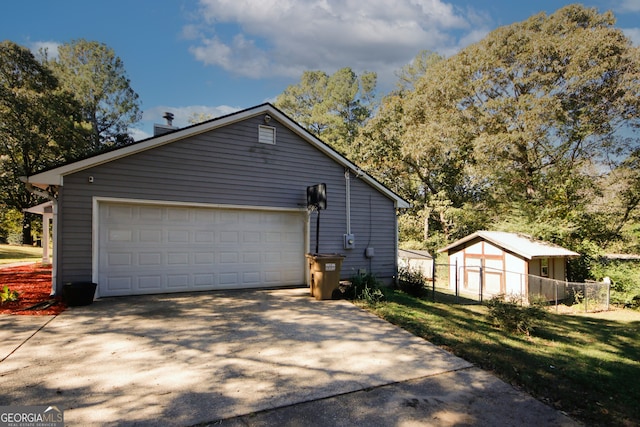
(489, 238)
(55, 176)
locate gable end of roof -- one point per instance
(55, 176)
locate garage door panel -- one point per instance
(229, 237)
(116, 235)
(206, 280)
(204, 258)
(273, 277)
(177, 281)
(251, 278)
(204, 236)
(120, 212)
(180, 215)
(150, 283)
(150, 236)
(178, 258)
(178, 236)
(150, 258)
(119, 258)
(155, 249)
(148, 214)
(251, 258)
(228, 257)
(228, 279)
(118, 284)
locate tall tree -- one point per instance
(96, 76)
(412, 72)
(540, 108)
(332, 107)
(434, 177)
(39, 125)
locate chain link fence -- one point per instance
(477, 283)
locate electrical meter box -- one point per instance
(349, 241)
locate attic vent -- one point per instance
(266, 134)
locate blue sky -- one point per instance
(218, 56)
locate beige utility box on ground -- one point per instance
(324, 270)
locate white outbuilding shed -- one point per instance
(416, 261)
(497, 262)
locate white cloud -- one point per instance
(50, 47)
(275, 38)
(138, 134)
(629, 6)
(633, 34)
(181, 115)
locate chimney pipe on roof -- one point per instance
(169, 118)
(162, 129)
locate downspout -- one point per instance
(396, 246)
(54, 258)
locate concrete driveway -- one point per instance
(275, 357)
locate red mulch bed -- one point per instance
(33, 284)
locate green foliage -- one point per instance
(10, 225)
(7, 295)
(510, 315)
(411, 73)
(625, 279)
(411, 282)
(95, 75)
(57, 111)
(333, 108)
(40, 125)
(516, 130)
(366, 288)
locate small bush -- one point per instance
(625, 279)
(509, 315)
(7, 295)
(365, 287)
(411, 282)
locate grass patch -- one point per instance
(588, 367)
(10, 254)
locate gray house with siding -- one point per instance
(218, 205)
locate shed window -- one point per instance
(266, 134)
(544, 267)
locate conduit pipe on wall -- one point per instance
(347, 183)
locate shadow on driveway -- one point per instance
(184, 359)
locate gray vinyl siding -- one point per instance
(228, 166)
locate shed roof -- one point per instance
(519, 244)
(414, 254)
(55, 176)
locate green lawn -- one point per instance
(11, 253)
(586, 366)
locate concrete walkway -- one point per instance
(249, 358)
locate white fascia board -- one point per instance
(56, 176)
(512, 242)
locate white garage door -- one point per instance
(145, 249)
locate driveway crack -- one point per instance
(28, 338)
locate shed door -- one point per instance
(147, 249)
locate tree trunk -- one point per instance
(26, 229)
